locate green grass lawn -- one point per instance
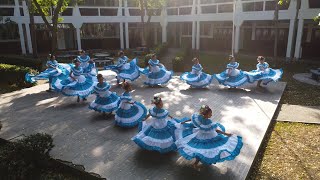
(290, 151)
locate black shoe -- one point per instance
(78, 100)
(49, 90)
(84, 99)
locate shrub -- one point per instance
(159, 50)
(22, 61)
(179, 61)
(24, 158)
(12, 74)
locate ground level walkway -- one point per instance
(84, 137)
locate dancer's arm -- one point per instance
(221, 132)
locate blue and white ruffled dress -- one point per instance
(232, 76)
(189, 128)
(82, 86)
(106, 101)
(54, 71)
(87, 66)
(129, 115)
(207, 145)
(265, 74)
(125, 70)
(156, 73)
(158, 133)
(197, 78)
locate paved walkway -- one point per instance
(295, 113)
(84, 137)
(306, 78)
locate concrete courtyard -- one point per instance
(85, 137)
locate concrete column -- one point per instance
(155, 36)
(127, 35)
(29, 41)
(309, 34)
(193, 38)
(290, 38)
(121, 36)
(78, 38)
(297, 52)
(253, 34)
(198, 36)
(237, 38)
(164, 33)
(23, 46)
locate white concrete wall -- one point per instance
(195, 17)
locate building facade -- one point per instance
(198, 24)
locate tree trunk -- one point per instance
(276, 26)
(54, 39)
(33, 36)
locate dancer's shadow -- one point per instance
(153, 159)
(187, 172)
(101, 117)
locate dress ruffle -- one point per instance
(232, 81)
(268, 76)
(200, 140)
(197, 80)
(129, 71)
(131, 117)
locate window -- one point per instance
(173, 11)
(314, 3)
(6, 11)
(99, 30)
(253, 6)
(271, 6)
(9, 31)
(209, 9)
(7, 2)
(135, 12)
(185, 11)
(175, 3)
(225, 8)
(205, 29)
(108, 3)
(187, 29)
(108, 12)
(67, 12)
(89, 11)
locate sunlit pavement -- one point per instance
(86, 137)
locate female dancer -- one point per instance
(77, 84)
(106, 101)
(156, 73)
(54, 71)
(129, 113)
(263, 73)
(87, 64)
(196, 78)
(209, 145)
(125, 70)
(232, 77)
(157, 134)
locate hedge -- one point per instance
(12, 74)
(22, 61)
(159, 50)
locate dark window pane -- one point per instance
(173, 11)
(6, 11)
(209, 9)
(21, 12)
(89, 12)
(224, 8)
(135, 12)
(108, 12)
(185, 11)
(67, 12)
(314, 3)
